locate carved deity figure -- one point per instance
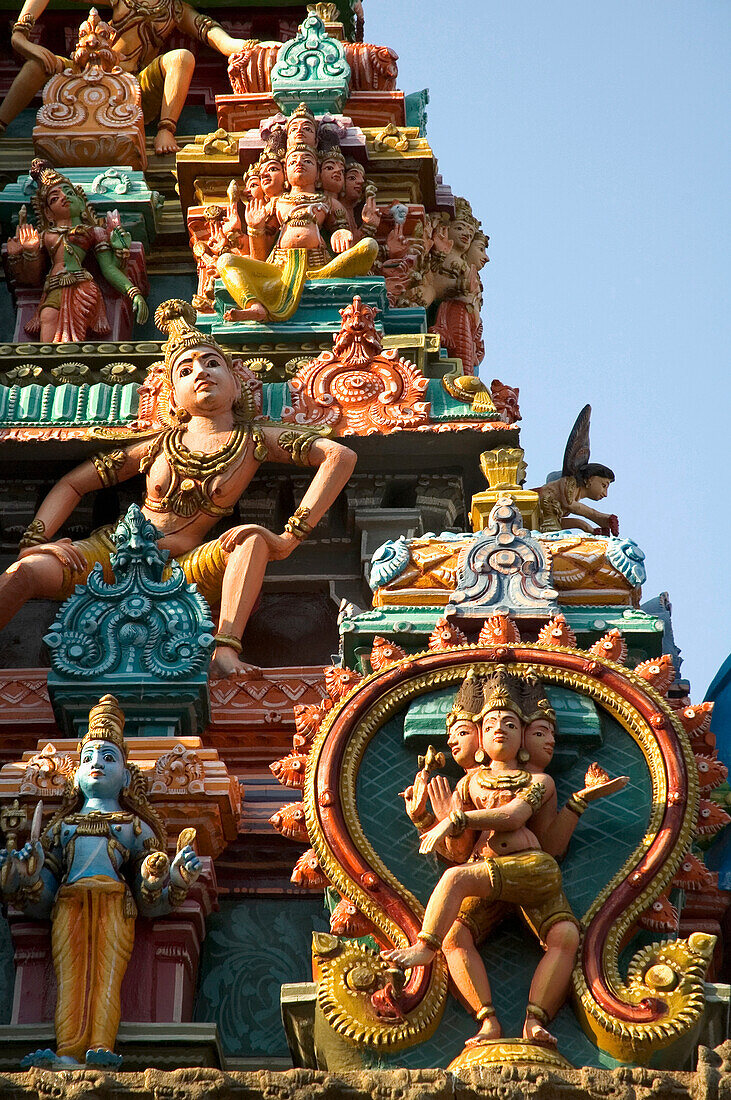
(455, 285)
(479, 916)
(267, 285)
(494, 833)
(561, 499)
(99, 862)
(142, 30)
(221, 232)
(71, 307)
(196, 469)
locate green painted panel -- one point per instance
(253, 947)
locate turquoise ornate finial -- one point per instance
(147, 637)
(311, 69)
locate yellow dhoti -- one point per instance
(204, 565)
(92, 940)
(277, 283)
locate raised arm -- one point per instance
(208, 31)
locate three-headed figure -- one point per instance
(502, 830)
(100, 860)
(267, 284)
(196, 470)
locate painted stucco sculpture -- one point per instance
(142, 31)
(632, 1018)
(561, 499)
(71, 307)
(267, 284)
(92, 111)
(100, 860)
(196, 470)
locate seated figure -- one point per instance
(99, 862)
(196, 469)
(267, 285)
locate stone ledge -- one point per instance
(711, 1081)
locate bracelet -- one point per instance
(27, 255)
(459, 822)
(423, 821)
(229, 641)
(296, 524)
(24, 24)
(14, 259)
(167, 124)
(132, 292)
(435, 942)
(576, 804)
(255, 232)
(34, 534)
(177, 895)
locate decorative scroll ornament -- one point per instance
(179, 771)
(504, 570)
(149, 621)
(46, 772)
(311, 69)
(358, 388)
(659, 1002)
(92, 112)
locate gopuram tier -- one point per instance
(333, 744)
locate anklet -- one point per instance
(167, 124)
(229, 641)
(485, 1012)
(435, 942)
(538, 1013)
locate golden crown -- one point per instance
(106, 723)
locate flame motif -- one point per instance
(499, 630)
(557, 632)
(446, 636)
(611, 647)
(289, 820)
(290, 770)
(384, 653)
(659, 673)
(307, 872)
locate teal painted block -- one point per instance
(311, 69)
(318, 313)
(254, 946)
(446, 407)
(122, 189)
(415, 105)
(68, 405)
(146, 638)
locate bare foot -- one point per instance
(490, 1029)
(254, 312)
(534, 1031)
(165, 143)
(227, 664)
(405, 957)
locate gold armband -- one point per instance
(533, 795)
(34, 534)
(107, 465)
(576, 804)
(297, 524)
(204, 25)
(459, 822)
(297, 442)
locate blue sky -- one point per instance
(592, 140)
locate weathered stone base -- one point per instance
(711, 1081)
